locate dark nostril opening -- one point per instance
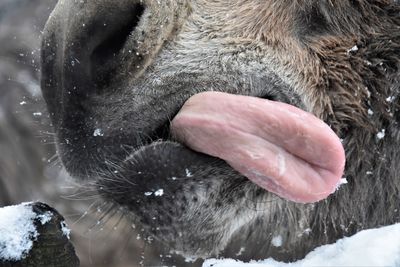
(104, 57)
(268, 96)
(162, 132)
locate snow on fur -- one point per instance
(373, 247)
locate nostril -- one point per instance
(104, 58)
(162, 132)
(268, 96)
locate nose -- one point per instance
(83, 45)
(108, 37)
(93, 51)
(94, 35)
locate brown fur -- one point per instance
(322, 63)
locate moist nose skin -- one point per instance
(80, 55)
(84, 50)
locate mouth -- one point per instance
(277, 146)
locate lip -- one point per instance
(154, 166)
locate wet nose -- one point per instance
(83, 45)
(93, 51)
(95, 35)
(109, 34)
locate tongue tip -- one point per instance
(310, 191)
(331, 186)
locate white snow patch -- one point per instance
(188, 173)
(65, 230)
(16, 231)
(277, 241)
(373, 247)
(390, 99)
(45, 218)
(341, 182)
(381, 134)
(190, 259)
(307, 231)
(241, 250)
(98, 132)
(159, 192)
(353, 49)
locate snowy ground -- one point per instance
(374, 247)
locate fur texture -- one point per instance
(127, 67)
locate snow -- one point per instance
(390, 99)
(342, 181)
(277, 241)
(242, 249)
(65, 230)
(381, 134)
(373, 247)
(16, 231)
(159, 192)
(45, 218)
(98, 132)
(188, 173)
(353, 49)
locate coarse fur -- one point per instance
(116, 72)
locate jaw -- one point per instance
(171, 191)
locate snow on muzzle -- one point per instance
(281, 148)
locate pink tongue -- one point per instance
(279, 147)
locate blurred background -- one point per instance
(29, 167)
